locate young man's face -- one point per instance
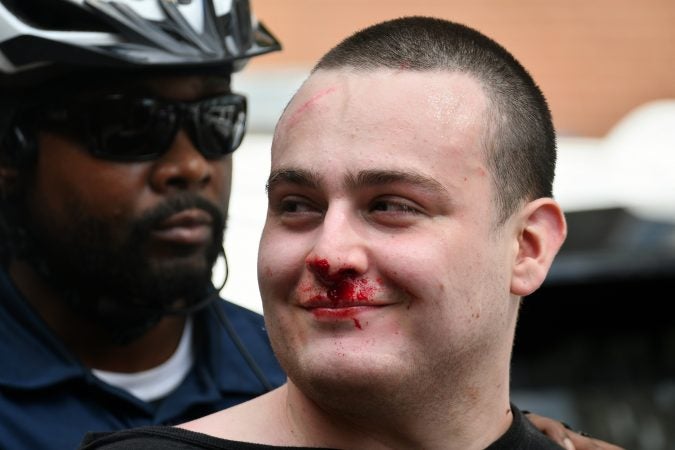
(381, 260)
(132, 228)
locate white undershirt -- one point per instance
(155, 383)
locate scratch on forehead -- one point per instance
(308, 104)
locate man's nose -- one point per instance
(181, 167)
(340, 250)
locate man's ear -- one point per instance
(542, 231)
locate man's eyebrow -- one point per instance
(382, 177)
(300, 177)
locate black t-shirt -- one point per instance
(521, 435)
(168, 438)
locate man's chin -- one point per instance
(123, 330)
(127, 302)
(127, 316)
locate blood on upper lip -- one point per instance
(350, 290)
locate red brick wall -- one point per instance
(594, 59)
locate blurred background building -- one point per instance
(596, 345)
(595, 60)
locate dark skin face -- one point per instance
(71, 187)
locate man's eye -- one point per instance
(393, 206)
(295, 206)
(296, 213)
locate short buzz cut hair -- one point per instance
(519, 138)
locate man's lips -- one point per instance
(188, 227)
(326, 308)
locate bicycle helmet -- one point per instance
(40, 39)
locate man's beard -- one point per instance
(112, 280)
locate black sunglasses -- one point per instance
(127, 127)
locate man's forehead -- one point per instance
(436, 79)
(433, 105)
(430, 122)
(441, 93)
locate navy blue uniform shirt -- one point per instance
(49, 400)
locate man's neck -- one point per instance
(287, 417)
(436, 420)
(86, 339)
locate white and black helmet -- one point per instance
(43, 38)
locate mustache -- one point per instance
(178, 203)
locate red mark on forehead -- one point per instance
(292, 120)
